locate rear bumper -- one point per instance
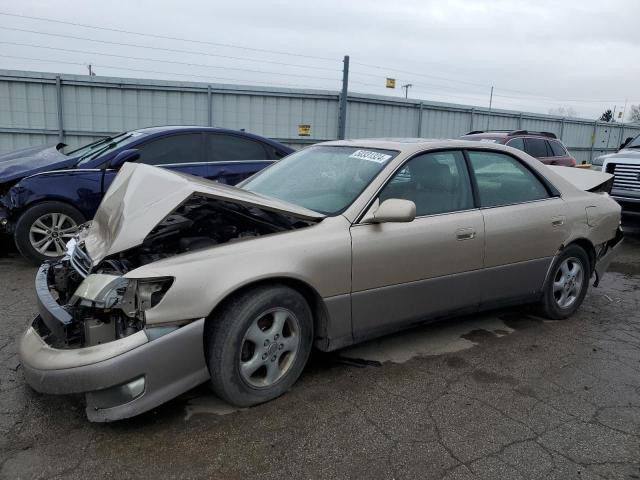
(607, 255)
(161, 368)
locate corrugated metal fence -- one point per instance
(38, 108)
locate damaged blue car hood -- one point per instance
(28, 161)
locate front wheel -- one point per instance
(43, 231)
(567, 284)
(258, 344)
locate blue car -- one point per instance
(46, 194)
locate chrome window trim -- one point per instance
(453, 212)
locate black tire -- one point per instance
(225, 343)
(549, 306)
(26, 221)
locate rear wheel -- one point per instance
(258, 344)
(567, 284)
(44, 229)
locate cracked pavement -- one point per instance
(539, 399)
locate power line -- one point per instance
(387, 69)
(172, 50)
(153, 71)
(484, 86)
(168, 61)
(167, 37)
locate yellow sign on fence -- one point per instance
(304, 130)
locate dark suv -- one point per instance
(544, 146)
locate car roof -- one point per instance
(411, 145)
(510, 134)
(198, 128)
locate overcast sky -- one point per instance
(539, 55)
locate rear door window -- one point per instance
(503, 180)
(186, 148)
(227, 148)
(536, 147)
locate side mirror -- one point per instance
(394, 210)
(130, 155)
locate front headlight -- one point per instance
(130, 295)
(101, 290)
(598, 161)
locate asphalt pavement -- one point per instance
(502, 395)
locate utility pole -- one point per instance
(490, 105)
(613, 119)
(91, 72)
(624, 112)
(342, 119)
(406, 89)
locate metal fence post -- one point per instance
(420, 121)
(561, 128)
(342, 119)
(520, 121)
(209, 107)
(59, 106)
(593, 140)
(473, 111)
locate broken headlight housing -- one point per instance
(132, 296)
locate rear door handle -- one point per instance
(557, 221)
(465, 234)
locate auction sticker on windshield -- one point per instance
(370, 155)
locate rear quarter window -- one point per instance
(558, 148)
(536, 147)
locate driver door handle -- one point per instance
(465, 234)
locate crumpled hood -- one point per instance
(28, 161)
(580, 178)
(141, 196)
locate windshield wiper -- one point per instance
(93, 155)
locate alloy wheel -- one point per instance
(269, 347)
(567, 283)
(50, 233)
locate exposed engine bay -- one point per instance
(104, 306)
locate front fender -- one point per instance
(318, 256)
(80, 188)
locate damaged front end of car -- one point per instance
(92, 334)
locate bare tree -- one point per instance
(563, 112)
(634, 114)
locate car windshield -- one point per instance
(326, 179)
(635, 143)
(93, 150)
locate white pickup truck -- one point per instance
(625, 166)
